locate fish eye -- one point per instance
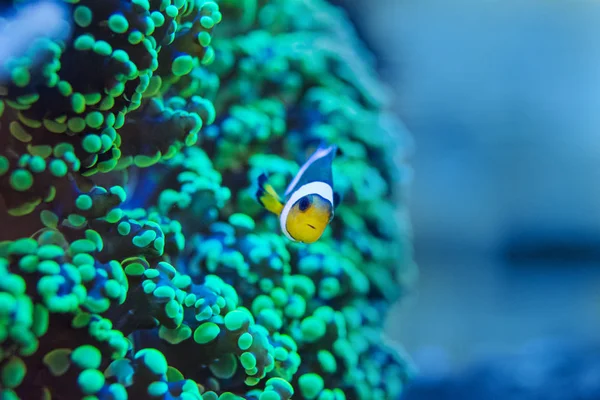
(304, 203)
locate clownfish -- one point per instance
(310, 200)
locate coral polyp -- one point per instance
(136, 262)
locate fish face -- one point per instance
(308, 218)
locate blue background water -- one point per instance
(503, 101)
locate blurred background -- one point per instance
(502, 99)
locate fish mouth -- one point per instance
(311, 226)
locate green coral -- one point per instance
(140, 264)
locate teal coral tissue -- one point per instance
(135, 262)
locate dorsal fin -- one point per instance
(316, 168)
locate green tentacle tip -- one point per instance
(119, 192)
(94, 119)
(23, 246)
(112, 289)
(135, 269)
(207, 22)
(65, 87)
(124, 228)
(281, 354)
(50, 195)
(76, 124)
(118, 392)
(92, 98)
(234, 320)
(28, 99)
(159, 245)
(206, 332)
(29, 263)
(154, 360)
(164, 292)
(270, 319)
(251, 381)
(182, 65)
(84, 202)
(311, 385)
(158, 389)
(135, 37)
(82, 246)
(182, 281)
(248, 360)
(81, 320)
(209, 56)
(41, 319)
(78, 103)
(216, 15)
(87, 271)
(91, 143)
(20, 76)
(50, 251)
(76, 220)
(57, 361)
(158, 18)
(152, 273)
(279, 296)
(13, 373)
(21, 180)
(96, 238)
(87, 357)
(144, 239)
(114, 215)
(192, 138)
(327, 361)
(28, 122)
(116, 91)
(149, 287)
(37, 164)
(280, 385)
(90, 381)
(312, 328)
(58, 168)
(153, 86)
(82, 16)
(48, 267)
(172, 11)
(19, 133)
(54, 127)
(84, 42)
(204, 38)
(103, 48)
(143, 161)
(245, 341)
(242, 221)
(173, 309)
(43, 151)
(118, 23)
